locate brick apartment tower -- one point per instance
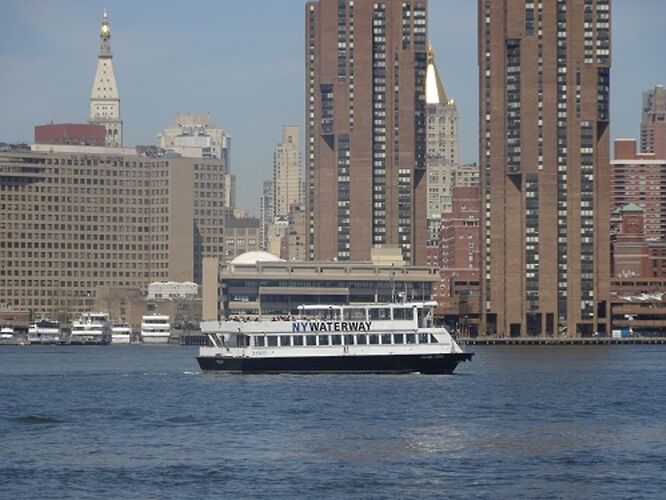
(365, 128)
(544, 159)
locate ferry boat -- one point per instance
(358, 338)
(155, 329)
(93, 328)
(45, 331)
(121, 333)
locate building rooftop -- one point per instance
(251, 258)
(631, 208)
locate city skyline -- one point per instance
(162, 69)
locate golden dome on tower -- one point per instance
(105, 31)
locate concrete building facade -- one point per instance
(287, 177)
(442, 148)
(104, 99)
(653, 122)
(466, 175)
(296, 231)
(241, 235)
(365, 128)
(196, 136)
(73, 222)
(544, 80)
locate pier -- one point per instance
(561, 340)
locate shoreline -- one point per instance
(561, 340)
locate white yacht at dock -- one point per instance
(8, 336)
(45, 331)
(92, 328)
(155, 329)
(121, 333)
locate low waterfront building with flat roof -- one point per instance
(259, 284)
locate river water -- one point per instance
(143, 422)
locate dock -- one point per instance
(561, 340)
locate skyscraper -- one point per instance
(653, 122)
(442, 147)
(287, 179)
(544, 151)
(366, 128)
(266, 211)
(104, 100)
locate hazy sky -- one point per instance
(242, 62)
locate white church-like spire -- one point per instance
(104, 99)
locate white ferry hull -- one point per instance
(37, 340)
(155, 339)
(89, 340)
(380, 363)
(119, 338)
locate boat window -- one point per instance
(398, 338)
(356, 314)
(323, 340)
(423, 338)
(259, 341)
(285, 340)
(336, 339)
(311, 340)
(298, 339)
(361, 339)
(323, 314)
(349, 340)
(380, 313)
(386, 338)
(272, 341)
(425, 317)
(374, 339)
(433, 339)
(402, 313)
(411, 338)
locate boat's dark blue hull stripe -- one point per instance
(435, 363)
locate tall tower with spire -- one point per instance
(104, 100)
(441, 147)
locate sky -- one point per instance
(242, 61)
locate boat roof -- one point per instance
(314, 307)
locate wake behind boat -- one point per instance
(359, 338)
